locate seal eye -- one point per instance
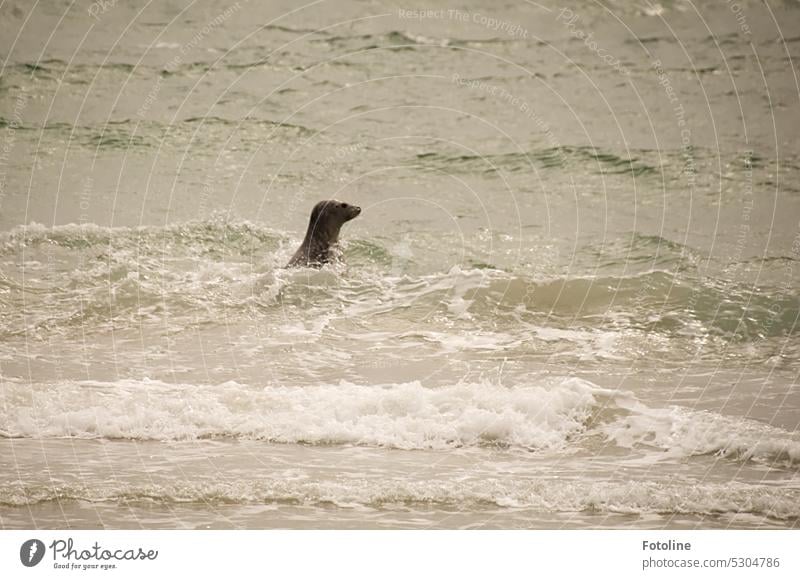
(343, 205)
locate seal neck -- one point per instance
(322, 230)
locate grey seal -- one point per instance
(322, 236)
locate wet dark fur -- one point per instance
(322, 236)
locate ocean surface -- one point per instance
(571, 299)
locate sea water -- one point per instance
(570, 300)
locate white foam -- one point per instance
(684, 432)
(546, 414)
(407, 415)
(545, 495)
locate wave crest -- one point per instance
(562, 414)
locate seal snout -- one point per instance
(354, 212)
(349, 211)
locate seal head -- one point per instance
(322, 236)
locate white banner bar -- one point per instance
(401, 554)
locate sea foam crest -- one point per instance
(406, 415)
(566, 496)
(553, 413)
